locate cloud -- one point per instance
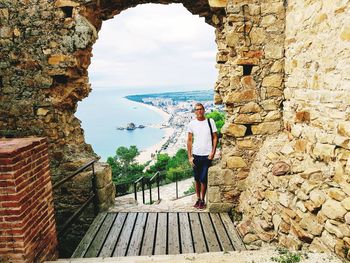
(154, 45)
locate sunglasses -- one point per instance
(199, 109)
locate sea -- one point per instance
(106, 109)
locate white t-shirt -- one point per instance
(202, 144)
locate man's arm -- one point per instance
(215, 143)
(189, 148)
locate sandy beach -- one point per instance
(166, 116)
(146, 154)
(150, 152)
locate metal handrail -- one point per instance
(156, 175)
(143, 188)
(92, 197)
(59, 183)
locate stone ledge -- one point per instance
(261, 256)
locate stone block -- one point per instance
(274, 51)
(333, 229)
(284, 199)
(248, 82)
(342, 141)
(268, 20)
(318, 197)
(247, 61)
(318, 246)
(106, 197)
(217, 3)
(270, 104)
(302, 116)
(235, 130)
(219, 207)
(233, 39)
(42, 111)
(274, 80)
(333, 209)
(329, 240)
(250, 107)
(6, 32)
(272, 8)
(217, 98)
(345, 33)
(280, 168)
(344, 128)
(273, 116)
(235, 162)
(336, 194)
(64, 3)
(347, 218)
(324, 150)
(310, 224)
(257, 35)
(250, 238)
(214, 195)
(248, 118)
(241, 96)
(103, 175)
(246, 144)
(302, 235)
(272, 196)
(266, 128)
(346, 203)
(300, 145)
(289, 242)
(272, 92)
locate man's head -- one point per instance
(199, 111)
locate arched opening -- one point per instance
(147, 49)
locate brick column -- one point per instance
(27, 223)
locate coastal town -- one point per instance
(176, 118)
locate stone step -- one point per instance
(261, 256)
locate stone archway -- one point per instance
(46, 54)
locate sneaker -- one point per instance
(201, 205)
(196, 205)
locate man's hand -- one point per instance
(211, 156)
(190, 160)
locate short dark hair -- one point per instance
(198, 104)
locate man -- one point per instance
(201, 150)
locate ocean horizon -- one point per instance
(104, 110)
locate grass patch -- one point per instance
(190, 190)
(286, 256)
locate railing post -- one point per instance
(177, 190)
(150, 191)
(143, 190)
(94, 189)
(158, 186)
(135, 191)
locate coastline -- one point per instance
(166, 116)
(149, 153)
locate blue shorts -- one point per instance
(200, 169)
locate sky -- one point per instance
(154, 46)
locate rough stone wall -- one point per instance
(269, 52)
(45, 53)
(250, 85)
(298, 190)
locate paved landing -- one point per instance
(116, 234)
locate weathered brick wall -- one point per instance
(298, 189)
(27, 224)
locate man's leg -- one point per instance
(196, 172)
(198, 189)
(203, 191)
